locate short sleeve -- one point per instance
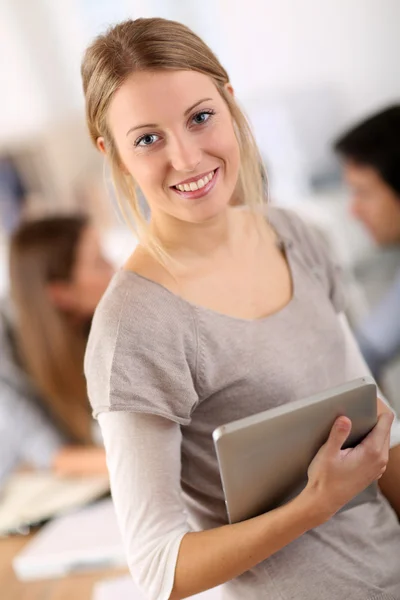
(316, 251)
(142, 352)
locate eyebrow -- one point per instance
(187, 111)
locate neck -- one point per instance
(182, 239)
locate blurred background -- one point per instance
(304, 71)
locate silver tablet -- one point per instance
(263, 459)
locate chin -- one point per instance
(205, 203)
(206, 211)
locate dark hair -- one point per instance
(376, 143)
(49, 245)
(41, 252)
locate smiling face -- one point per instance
(174, 135)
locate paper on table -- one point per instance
(123, 588)
(29, 498)
(85, 540)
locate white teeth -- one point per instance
(195, 185)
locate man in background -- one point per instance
(371, 155)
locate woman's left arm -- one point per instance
(390, 480)
(357, 367)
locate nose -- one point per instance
(185, 153)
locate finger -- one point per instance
(381, 432)
(386, 419)
(381, 473)
(338, 435)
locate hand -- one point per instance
(80, 460)
(335, 476)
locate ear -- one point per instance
(102, 148)
(229, 89)
(61, 295)
(100, 145)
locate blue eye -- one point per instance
(202, 117)
(146, 140)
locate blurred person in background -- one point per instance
(371, 153)
(58, 275)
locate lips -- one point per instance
(196, 187)
(195, 183)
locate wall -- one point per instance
(268, 47)
(352, 46)
(303, 69)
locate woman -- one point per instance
(58, 275)
(219, 313)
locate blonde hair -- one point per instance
(151, 45)
(50, 348)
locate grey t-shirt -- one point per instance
(152, 352)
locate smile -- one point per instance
(196, 188)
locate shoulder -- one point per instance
(137, 316)
(136, 304)
(310, 247)
(294, 229)
(142, 351)
(306, 238)
(285, 220)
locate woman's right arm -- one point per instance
(166, 558)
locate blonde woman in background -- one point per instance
(58, 274)
(220, 312)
